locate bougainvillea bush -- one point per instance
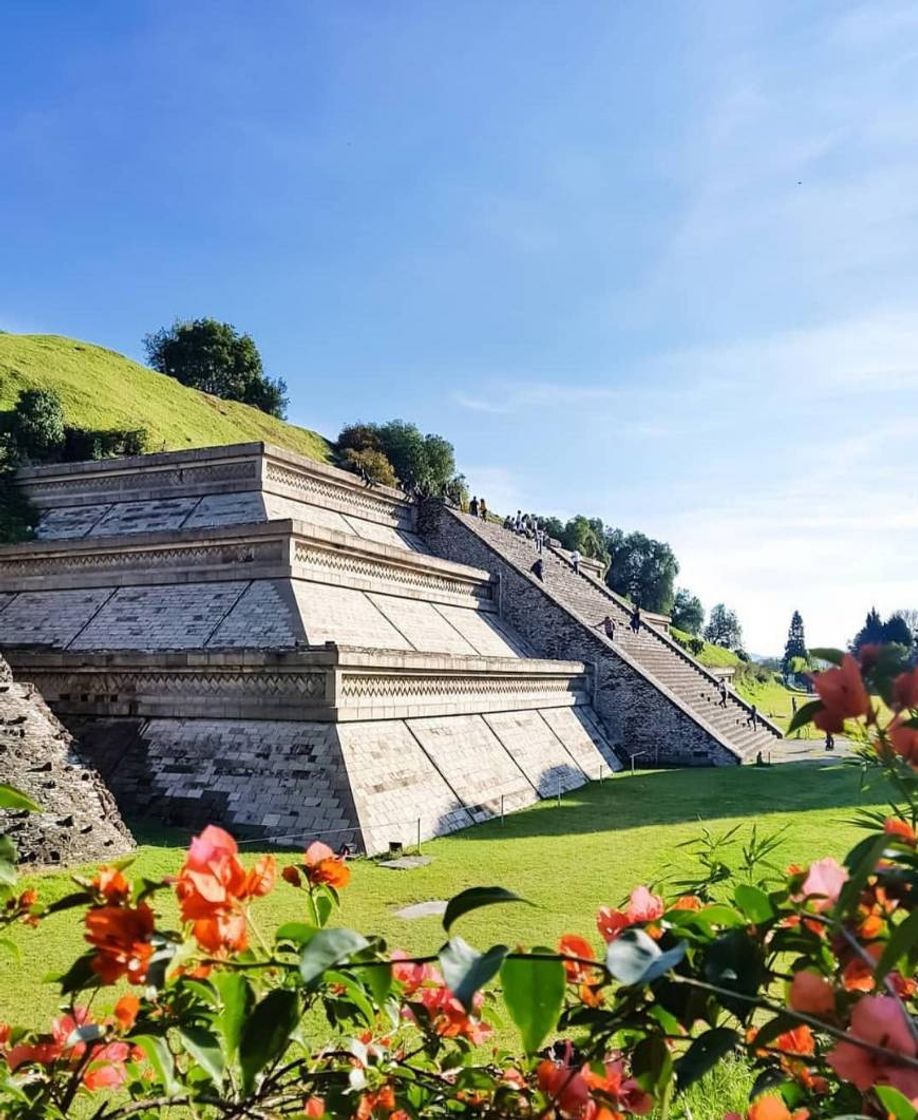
(804, 973)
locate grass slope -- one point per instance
(567, 860)
(102, 389)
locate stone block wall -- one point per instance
(641, 719)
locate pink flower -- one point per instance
(642, 907)
(824, 882)
(878, 1020)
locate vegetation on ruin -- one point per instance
(100, 390)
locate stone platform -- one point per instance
(243, 636)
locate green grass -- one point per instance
(102, 389)
(567, 860)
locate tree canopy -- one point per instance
(643, 569)
(215, 358)
(795, 646)
(723, 628)
(687, 612)
(877, 632)
(425, 463)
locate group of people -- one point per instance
(478, 507)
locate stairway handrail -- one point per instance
(665, 639)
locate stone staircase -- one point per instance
(659, 658)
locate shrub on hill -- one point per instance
(425, 464)
(217, 359)
(372, 466)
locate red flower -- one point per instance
(449, 1019)
(878, 1020)
(571, 945)
(324, 867)
(292, 876)
(314, 1108)
(411, 975)
(106, 1070)
(121, 936)
(843, 695)
(614, 1089)
(905, 690)
(565, 1086)
(904, 740)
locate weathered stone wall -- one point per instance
(639, 716)
(79, 821)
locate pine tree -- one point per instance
(796, 642)
(871, 633)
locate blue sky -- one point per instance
(649, 261)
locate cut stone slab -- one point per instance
(405, 863)
(435, 908)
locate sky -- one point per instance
(648, 261)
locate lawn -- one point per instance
(102, 389)
(567, 860)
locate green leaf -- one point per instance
(7, 945)
(707, 917)
(774, 1028)
(378, 979)
(297, 932)
(861, 862)
(804, 715)
(466, 971)
(204, 1047)
(833, 656)
(327, 948)
(734, 962)
(236, 1000)
(754, 903)
(896, 1104)
(7, 862)
(266, 1033)
(902, 941)
(11, 798)
(704, 1054)
(652, 1066)
(473, 899)
(635, 958)
(160, 1059)
(534, 994)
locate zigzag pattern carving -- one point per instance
(311, 557)
(308, 685)
(144, 558)
(140, 479)
(378, 684)
(308, 484)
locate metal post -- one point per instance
(632, 766)
(501, 808)
(419, 834)
(600, 772)
(559, 793)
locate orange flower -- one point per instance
(121, 936)
(564, 1085)
(773, 1108)
(900, 829)
(126, 1011)
(798, 1041)
(106, 1070)
(905, 690)
(687, 902)
(571, 945)
(811, 994)
(843, 695)
(591, 995)
(314, 1108)
(324, 867)
(380, 1103)
(449, 1019)
(904, 740)
(213, 887)
(112, 885)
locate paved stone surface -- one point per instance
(70, 522)
(433, 909)
(344, 615)
(226, 509)
(143, 517)
(406, 863)
(538, 752)
(51, 618)
(425, 629)
(182, 616)
(264, 617)
(483, 631)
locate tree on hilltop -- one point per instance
(423, 463)
(896, 630)
(33, 431)
(687, 612)
(795, 646)
(871, 633)
(215, 358)
(723, 628)
(643, 569)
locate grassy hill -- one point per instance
(100, 389)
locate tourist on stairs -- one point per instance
(607, 626)
(538, 569)
(723, 694)
(636, 619)
(575, 560)
(473, 507)
(753, 718)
